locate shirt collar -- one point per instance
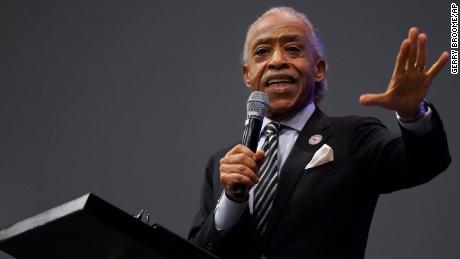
(298, 121)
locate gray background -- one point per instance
(127, 99)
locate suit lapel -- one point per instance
(301, 153)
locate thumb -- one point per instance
(372, 99)
(260, 155)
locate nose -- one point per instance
(278, 60)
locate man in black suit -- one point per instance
(331, 169)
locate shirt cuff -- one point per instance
(227, 213)
(420, 127)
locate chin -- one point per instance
(280, 112)
(283, 110)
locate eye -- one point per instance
(261, 51)
(293, 49)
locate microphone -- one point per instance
(256, 107)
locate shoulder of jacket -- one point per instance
(353, 121)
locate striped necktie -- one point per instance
(266, 189)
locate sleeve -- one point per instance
(389, 162)
(203, 231)
(420, 127)
(228, 213)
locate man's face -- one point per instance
(280, 63)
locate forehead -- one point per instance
(278, 26)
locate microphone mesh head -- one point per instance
(257, 104)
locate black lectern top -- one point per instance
(89, 227)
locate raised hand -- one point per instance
(409, 83)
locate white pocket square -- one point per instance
(323, 155)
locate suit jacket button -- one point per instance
(209, 246)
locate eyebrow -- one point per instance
(284, 38)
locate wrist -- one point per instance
(416, 116)
(235, 199)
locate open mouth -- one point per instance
(280, 81)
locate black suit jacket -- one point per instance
(326, 211)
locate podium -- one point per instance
(89, 227)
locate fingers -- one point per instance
(412, 37)
(415, 48)
(241, 159)
(240, 149)
(239, 166)
(372, 99)
(436, 67)
(235, 173)
(421, 53)
(401, 59)
(241, 153)
(412, 56)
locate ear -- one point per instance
(246, 76)
(319, 70)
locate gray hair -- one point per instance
(315, 42)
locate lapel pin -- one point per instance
(315, 139)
